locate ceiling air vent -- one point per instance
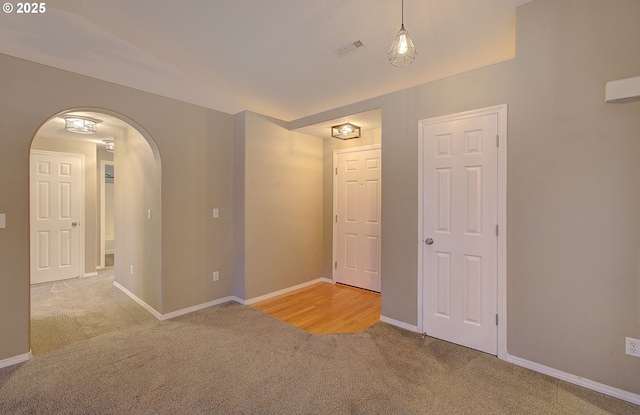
(348, 48)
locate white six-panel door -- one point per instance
(358, 221)
(460, 217)
(56, 212)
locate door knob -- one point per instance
(428, 241)
(74, 223)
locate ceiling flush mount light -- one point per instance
(80, 125)
(109, 145)
(345, 131)
(402, 52)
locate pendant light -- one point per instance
(402, 52)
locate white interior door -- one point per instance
(56, 214)
(358, 220)
(460, 217)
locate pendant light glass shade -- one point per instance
(402, 52)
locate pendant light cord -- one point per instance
(402, 18)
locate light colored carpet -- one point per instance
(233, 359)
(70, 311)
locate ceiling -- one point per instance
(273, 57)
(106, 129)
(368, 120)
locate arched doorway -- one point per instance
(72, 243)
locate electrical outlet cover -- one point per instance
(633, 347)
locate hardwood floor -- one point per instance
(325, 308)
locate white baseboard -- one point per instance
(198, 307)
(15, 360)
(284, 291)
(576, 380)
(91, 274)
(176, 313)
(399, 323)
(138, 300)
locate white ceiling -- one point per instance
(106, 129)
(368, 120)
(274, 57)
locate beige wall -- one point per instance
(91, 197)
(196, 149)
(109, 216)
(196, 178)
(368, 137)
(139, 244)
(283, 207)
(573, 244)
(574, 199)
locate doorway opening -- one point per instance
(77, 208)
(107, 214)
(370, 124)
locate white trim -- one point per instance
(576, 380)
(219, 301)
(10, 361)
(83, 240)
(198, 307)
(503, 116)
(91, 274)
(284, 291)
(138, 300)
(501, 111)
(177, 313)
(399, 323)
(334, 254)
(237, 300)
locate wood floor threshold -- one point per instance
(325, 308)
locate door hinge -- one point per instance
(336, 218)
(497, 230)
(496, 319)
(336, 265)
(336, 171)
(497, 141)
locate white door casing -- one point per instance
(56, 215)
(462, 204)
(357, 217)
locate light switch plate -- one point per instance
(215, 213)
(3, 220)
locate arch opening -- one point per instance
(76, 240)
